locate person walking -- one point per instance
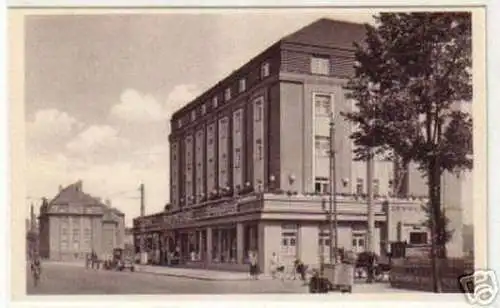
(36, 269)
(277, 269)
(254, 267)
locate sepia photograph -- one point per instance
(253, 151)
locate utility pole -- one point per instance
(142, 239)
(333, 192)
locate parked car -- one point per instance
(121, 260)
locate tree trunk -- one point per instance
(435, 214)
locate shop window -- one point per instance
(418, 238)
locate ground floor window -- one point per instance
(418, 238)
(358, 242)
(288, 251)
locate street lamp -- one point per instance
(333, 192)
(271, 182)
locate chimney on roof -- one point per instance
(108, 202)
(79, 185)
(60, 188)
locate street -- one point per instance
(60, 279)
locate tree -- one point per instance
(411, 72)
(444, 234)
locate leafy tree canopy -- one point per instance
(411, 73)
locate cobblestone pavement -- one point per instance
(66, 280)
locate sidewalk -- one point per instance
(201, 274)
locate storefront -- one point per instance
(220, 234)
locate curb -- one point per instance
(191, 276)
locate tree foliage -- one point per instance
(409, 73)
(412, 74)
(445, 234)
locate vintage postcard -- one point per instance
(250, 151)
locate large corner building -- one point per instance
(249, 163)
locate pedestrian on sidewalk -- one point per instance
(300, 268)
(277, 269)
(254, 265)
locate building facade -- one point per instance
(74, 224)
(249, 163)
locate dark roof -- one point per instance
(328, 33)
(74, 194)
(323, 32)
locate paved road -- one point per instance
(64, 279)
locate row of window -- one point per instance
(265, 71)
(223, 135)
(320, 65)
(321, 185)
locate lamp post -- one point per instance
(333, 223)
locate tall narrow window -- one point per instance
(237, 158)
(323, 104)
(242, 85)
(215, 102)
(322, 145)
(265, 70)
(376, 187)
(259, 150)
(258, 111)
(320, 65)
(359, 186)
(227, 94)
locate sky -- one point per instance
(100, 90)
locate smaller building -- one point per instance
(74, 224)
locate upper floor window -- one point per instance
(237, 122)
(227, 94)
(259, 149)
(237, 158)
(242, 86)
(265, 70)
(193, 115)
(376, 187)
(359, 186)
(322, 145)
(321, 185)
(258, 110)
(179, 123)
(203, 109)
(215, 102)
(320, 65)
(322, 104)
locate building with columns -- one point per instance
(74, 223)
(249, 164)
